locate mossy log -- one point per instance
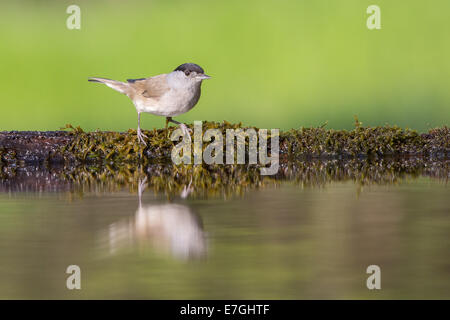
(108, 148)
(81, 161)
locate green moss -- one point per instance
(113, 160)
(117, 148)
(7, 156)
(364, 142)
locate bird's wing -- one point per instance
(153, 87)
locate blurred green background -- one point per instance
(275, 64)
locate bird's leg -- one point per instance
(140, 135)
(167, 121)
(167, 126)
(186, 131)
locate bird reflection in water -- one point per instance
(169, 227)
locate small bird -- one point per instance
(168, 94)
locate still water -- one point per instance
(283, 241)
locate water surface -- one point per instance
(284, 240)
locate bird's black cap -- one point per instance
(190, 67)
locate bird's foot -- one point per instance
(186, 131)
(141, 137)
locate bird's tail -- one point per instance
(122, 87)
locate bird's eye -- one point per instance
(187, 72)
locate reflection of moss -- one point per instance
(206, 181)
(363, 172)
(201, 180)
(216, 180)
(114, 147)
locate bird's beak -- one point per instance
(203, 77)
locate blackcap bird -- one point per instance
(168, 94)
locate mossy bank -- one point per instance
(77, 147)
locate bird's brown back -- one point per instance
(153, 87)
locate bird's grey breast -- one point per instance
(182, 96)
